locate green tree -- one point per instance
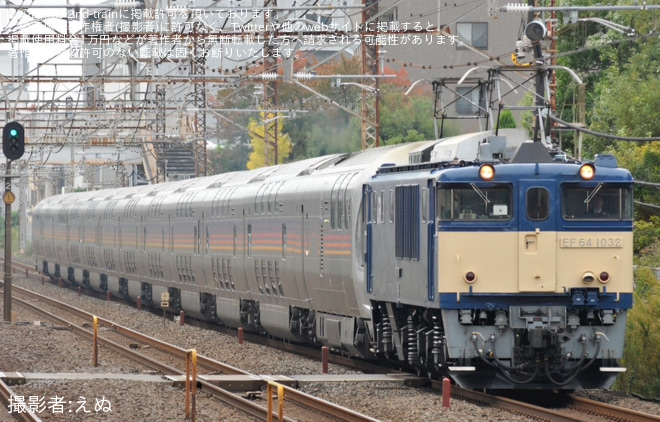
(641, 356)
(230, 132)
(506, 121)
(329, 129)
(405, 118)
(325, 132)
(646, 235)
(622, 98)
(643, 161)
(229, 156)
(262, 139)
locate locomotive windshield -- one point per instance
(470, 202)
(597, 203)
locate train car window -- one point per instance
(371, 208)
(272, 197)
(380, 208)
(249, 240)
(537, 204)
(360, 231)
(340, 212)
(215, 212)
(364, 206)
(391, 206)
(171, 239)
(601, 202)
(270, 200)
(425, 204)
(283, 240)
(277, 206)
(256, 200)
(347, 201)
(470, 202)
(333, 214)
(234, 244)
(264, 198)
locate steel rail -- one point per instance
(513, 406)
(222, 394)
(611, 412)
(579, 404)
(127, 332)
(305, 351)
(83, 332)
(6, 393)
(325, 406)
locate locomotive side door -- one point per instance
(537, 236)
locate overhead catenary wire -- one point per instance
(648, 184)
(604, 135)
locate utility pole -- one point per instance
(370, 68)
(270, 100)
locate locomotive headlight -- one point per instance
(487, 172)
(470, 277)
(587, 171)
(604, 277)
(588, 277)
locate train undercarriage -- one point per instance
(477, 348)
(486, 352)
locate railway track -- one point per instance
(6, 394)
(572, 409)
(565, 408)
(604, 411)
(305, 407)
(349, 362)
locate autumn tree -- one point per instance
(265, 136)
(405, 118)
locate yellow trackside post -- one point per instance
(95, 346)
(280, 401)
(191, 383)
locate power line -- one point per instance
(604, 135)
(644, 204)
(649, 184)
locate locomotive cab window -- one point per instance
(601, 202)
(537, 204)
(471, 202)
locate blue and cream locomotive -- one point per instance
(476, 256)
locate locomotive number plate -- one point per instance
(591, 242)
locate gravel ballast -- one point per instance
(31, 348)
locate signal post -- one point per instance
(13, 146)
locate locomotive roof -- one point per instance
(561, 170)
(456, 172)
